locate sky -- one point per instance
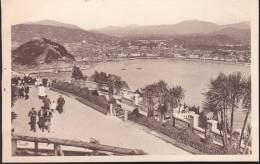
(91, 14)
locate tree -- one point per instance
(149, 96)
(235, 82)
(162, 94)
(76, 73)
(175, 95)
(115, 83)
(225, 92)
(246, 104)
(217, 101)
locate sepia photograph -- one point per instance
(130, 80)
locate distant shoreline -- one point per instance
(50, 70)
(180, 59)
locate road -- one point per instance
(80, 122)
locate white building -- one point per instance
(179, 56)
(135, 54)
(194, 56)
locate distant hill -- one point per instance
(54, 23)
(239, 31)
(240, 25)
(24, 32)
(79, 42)
(240, 34)
(185, 27)
(40, 51)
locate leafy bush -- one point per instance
(84, 93)
(76, 90)
(185, 136)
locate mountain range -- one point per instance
(239, 31)
(54, 23)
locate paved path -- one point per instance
(80, 122)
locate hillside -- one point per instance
(54, 23)
(24, 32)
(80, 43)
(40, 51)
(239, 31)
(185, 27)
(240, 34)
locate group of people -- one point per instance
(42, 82)
(21, 88)
(45, 114)
(23, 91)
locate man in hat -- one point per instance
(32, 114)
(60, 104)
(47, 116)
(41, 121)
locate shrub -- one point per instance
(76, 90)
(84, 93)
(185, 136)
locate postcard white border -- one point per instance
(6, 99)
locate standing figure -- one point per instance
(53, 106)
(22, 91)
(19, 92)
(47, 116)
(60, 103)
(46, 102)
(42, 92)
(32, 114)
(26, 91)
(41, 121)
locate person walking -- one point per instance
(46, 102)
(42, 92)
(60, 104)
(53, 106)
(26, 91)
(41, 121)
(20, 91)
(48, 115)
(33, 116)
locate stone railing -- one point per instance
(191, 119)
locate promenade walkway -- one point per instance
(80, 122)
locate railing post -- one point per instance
(125, 115)
(36, 148)
(14, 146)
(111, 109)
(57, 150)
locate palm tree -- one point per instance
(234, 81)
(246, 104)
(217, 101)
(248, 139)
(148, 98)
(162, 90)
(176, 94)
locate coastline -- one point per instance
(180, 59)
(68, 69)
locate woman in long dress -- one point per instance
(41, 121)
(53, 106)
(42, 91)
